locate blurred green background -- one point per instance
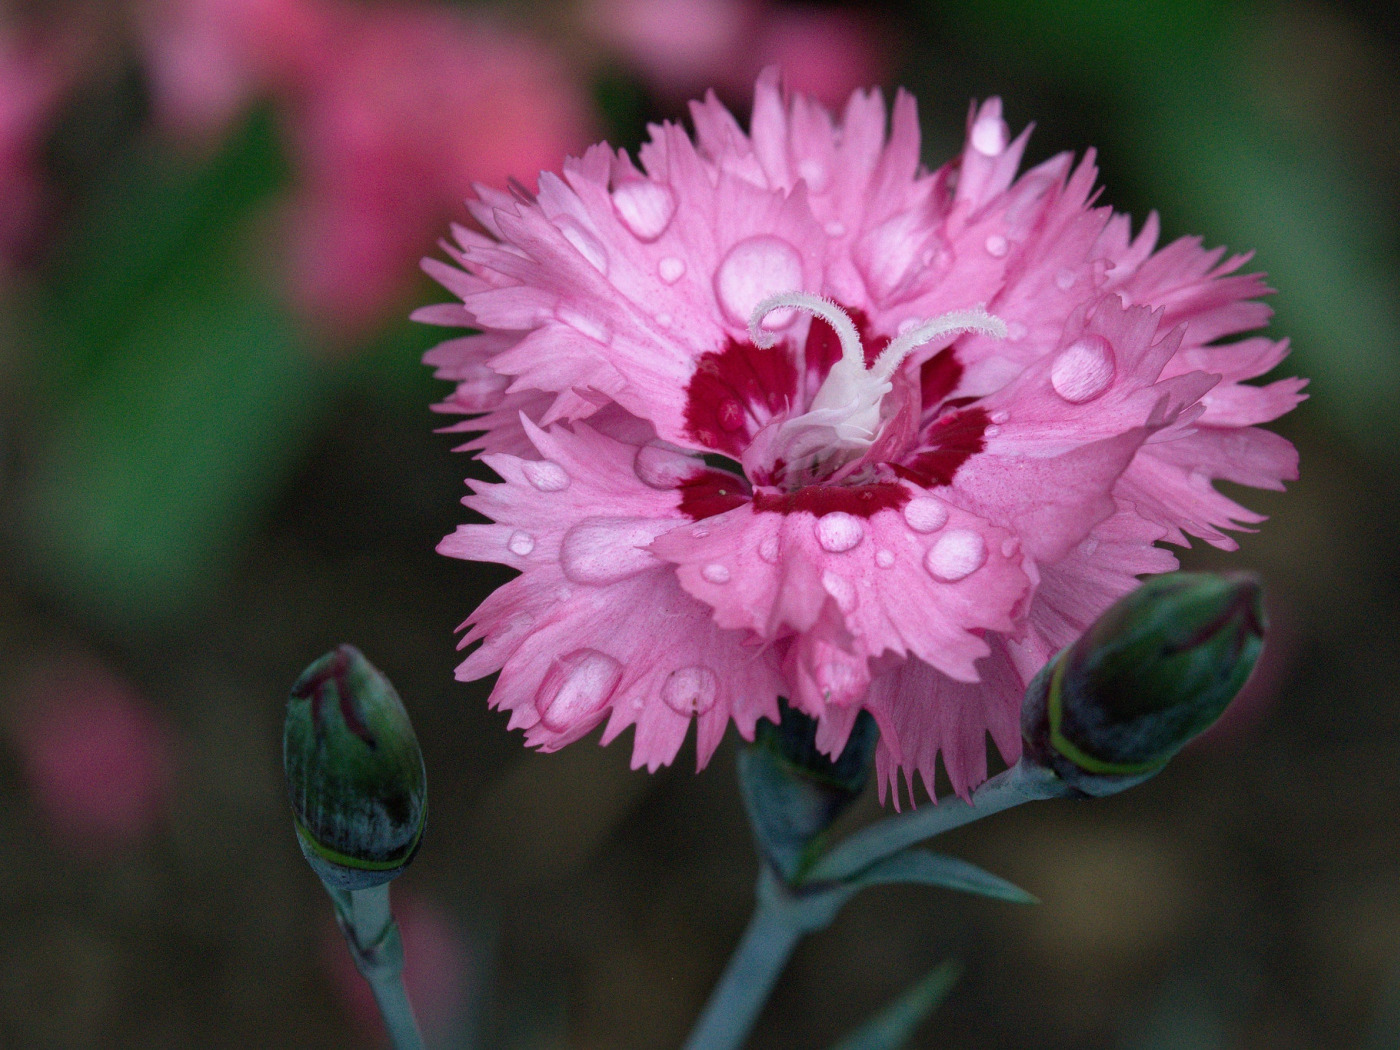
(206, 482)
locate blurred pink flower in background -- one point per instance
(37, 69)
(783, 413)
(683, 47)
(438, 971)
(98, 757)
(391, 111)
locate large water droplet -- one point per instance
(600, 551)
(768, 550)
(753, 270)
(545, 475)
(990, 136)
(925, 514)
(997, 246)
(671, 269)
(839, 531)
(661, 467)
(840, 589)
(884, 558)
(645, 207)
(1083, 370)
(715, 572)
(576, 688)
(588, 246)
(690, 690)
(956, 555)
(520, 543)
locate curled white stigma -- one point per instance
(845, 412)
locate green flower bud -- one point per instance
(793, 792)
(354, 772)
(1148, 675)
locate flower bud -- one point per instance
(793, 792)
(1147, 676)
(354, 772)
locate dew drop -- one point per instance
(715, 573)
(658, 466)
(521, 543)
(589, 326)
(925, 514)
(754, 269)
(576, 688)
(699, 532)
(884, 558)
(991, 431)
(545, 475)
(838, 531)
(997, 246)
(956, 555)
(841, 589)
(587, 245)
(1083, 370)
(671, 269)
(1000, 416)
(645, 207)
(989, 136)
(1064, 280)
(730, 414)
(836, 229)
(602, 551)
(768, 550)
(690, 690)
(813, 172)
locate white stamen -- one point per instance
(843, 418)
(818, 306)
(974, 320)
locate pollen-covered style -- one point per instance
(782, 413)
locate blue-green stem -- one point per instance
(781, 918)
(1020, 783)
(373, 939)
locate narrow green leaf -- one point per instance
(925, 868)
(892, 1027)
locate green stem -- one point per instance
(752, 971)
(373, 939)
(1020, 783)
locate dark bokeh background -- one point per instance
(217, 461)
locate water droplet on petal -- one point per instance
(730, 414)
(576, 688)
(588, 246)
(1083, 370)
(593, 327)
(601, 551)
(990, 136)
(991, 432)
(699, 532)
(671, 269)
(753, 270)
(884, 558)
(839, 531)
(836, 229)
(715, 573)
(1000, 416)
(1064, 280)
(956, 555)
(660, 467)
(841, 589)
(545, 475)
(997, 246)
(521, 543)
(925, 514)
(813, 172)
(645, 207)
(690, 690)
(768, 550)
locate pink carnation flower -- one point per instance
(781, 413)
